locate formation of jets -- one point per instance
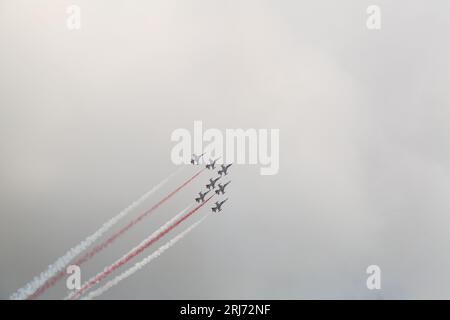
(211, 186)
(201, 196)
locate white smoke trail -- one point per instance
(63, 261)
(142, 263)
(152, 236)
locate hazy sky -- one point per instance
(364, 118)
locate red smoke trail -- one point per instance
(86, 257)
(134, 253)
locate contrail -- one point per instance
(152, 236)
(86, 257)
(134, 252)
(142, 263)
(63, 261)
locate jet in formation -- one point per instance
(221, 187)
(212, 164)
(218, 206)
(224, 169)
(201, 196)
(195, 160)
(212, 183)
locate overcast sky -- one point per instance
(364, 118)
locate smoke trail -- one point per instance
(130, 255)
(142, 263)
(63, 261)
(152, 236)
(52, 279)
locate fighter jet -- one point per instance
(218, 206)
(201, 196)
(222, 188)
(196, 159)
(212, 183)
(224, 169)
(212, 164)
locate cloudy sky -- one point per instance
(364, 117)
